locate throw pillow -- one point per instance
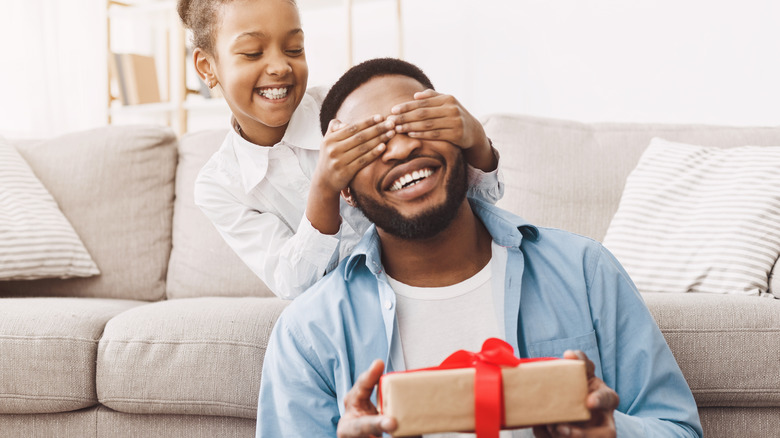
(700, 219)
(36, 240)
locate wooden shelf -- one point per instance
(160, 107)
(206, 104)
(168, 37)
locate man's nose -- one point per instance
(400, 147)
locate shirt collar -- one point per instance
(506, 229)
(303, 132)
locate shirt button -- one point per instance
(388, 304)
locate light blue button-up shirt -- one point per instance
(561, 291)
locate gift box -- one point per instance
(484, 392)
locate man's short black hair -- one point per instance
(359, 75)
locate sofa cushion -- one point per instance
(48, 348)
(700, 219)
(76, 424)
(36, 239)
(570, 175)
(726, 345)
(202, 264)
(730, 422)
(119, 424)
(115, 185)
(198, 356)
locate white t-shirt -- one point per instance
(434, 322)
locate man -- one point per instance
(439, 273)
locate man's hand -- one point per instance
(361, 418)
(601, 401)
(436, 116)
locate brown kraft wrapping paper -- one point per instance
(535, 393)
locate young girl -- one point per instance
(272, 189)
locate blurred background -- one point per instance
(686, 61)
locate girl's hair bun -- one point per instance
(183, 8)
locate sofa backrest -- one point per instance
(570, 175)
(201, 263)
(115, 185)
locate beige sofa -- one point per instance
(169, 339)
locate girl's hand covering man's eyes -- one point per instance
(347, 148)
(435, 116)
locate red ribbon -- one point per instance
(488, 390)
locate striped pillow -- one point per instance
(36, 240)
(700, 219)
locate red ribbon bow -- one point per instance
(488, 390)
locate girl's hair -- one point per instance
(202, 18)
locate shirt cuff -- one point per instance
(321, 250)
(476, 176)
(488, 186)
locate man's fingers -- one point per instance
(364, 386)
(369, 425)
(541, 432)
(590, 368)
(604, 398)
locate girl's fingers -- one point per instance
(447, 112)
(444, 128)
(442, 123)
(427, 98)
(426, 94)
(362, 130)
(362, 142)
(345, 164)
(365, 158)
(358, 157)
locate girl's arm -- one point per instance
(290, 257)
(288, 261)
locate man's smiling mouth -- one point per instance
(273, 93)
(411, 179)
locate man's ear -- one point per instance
(205, 66)
(346, 193)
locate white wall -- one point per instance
(52, 66)
(700, 61)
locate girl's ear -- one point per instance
(205, 66)
(347, 195)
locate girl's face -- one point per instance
(261, 65)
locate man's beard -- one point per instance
(426, 224)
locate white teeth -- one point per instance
(410, 179)
(274, 93)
